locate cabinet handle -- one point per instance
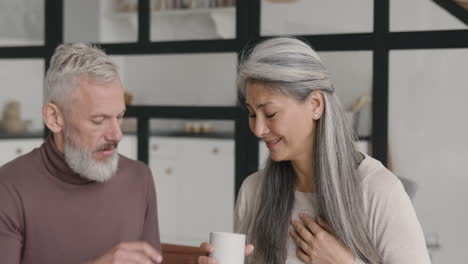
(215, 150)
(19, 151)
(154, 147)
(168, 171)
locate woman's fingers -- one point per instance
(302, 231)
(311, 225)
(324, 225)
(249, 248)
(301, 244)
(207, 260)
(206, 247)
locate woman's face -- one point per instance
(286, 125)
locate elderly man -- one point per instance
(75, 199)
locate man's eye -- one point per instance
(252, 116)
(270, 116)
(97, 121)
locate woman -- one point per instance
(318, 200)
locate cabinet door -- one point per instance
(128, 146)
(165, 179)
(163, 162)
(206, 188)
(195, 186)
(13, 148)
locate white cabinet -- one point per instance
(194, 180)
(13, 148)
(128, 147)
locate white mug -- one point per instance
(228, 248)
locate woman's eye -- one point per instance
(252, 116)
(270, 116)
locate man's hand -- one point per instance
(130, 252)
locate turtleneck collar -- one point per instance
(55, 163)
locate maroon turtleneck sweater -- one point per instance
(49, 214)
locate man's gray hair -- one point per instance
(69, 63)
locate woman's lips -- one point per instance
(272, 143)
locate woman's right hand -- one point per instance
(208, 248)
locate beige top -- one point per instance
(391, 218)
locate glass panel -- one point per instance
(20, 97)
(428, 143)
(179, 79)
(21, 22)
(103, 21)
(128, 145)
(352, 75)
(194, 177)
(193, 19)
(286, 17)
(420, 15)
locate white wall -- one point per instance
(428, 141)
(21, 22)
(81, 20)
(181, 79)
(416, 15)
(316, 17)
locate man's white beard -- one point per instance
(82, 161)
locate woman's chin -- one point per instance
(277, 158)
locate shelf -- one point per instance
(22, 135)
(224, 18)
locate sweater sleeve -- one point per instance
(245, 200)
(11, 228)
(151, 225)
(396, 231)
(240, 209)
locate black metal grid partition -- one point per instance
(380, 42)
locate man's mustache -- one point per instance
(107, 146)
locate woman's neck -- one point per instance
(305, 172)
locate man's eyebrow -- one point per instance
(107, 116)
(99, 115)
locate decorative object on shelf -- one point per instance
(11, 121)
(354, 113)
(128, 124)
(126, 6)
(158, 5)
(224, 22)
(128, 97)
(198, 127)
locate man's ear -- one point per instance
(316, 100)
(53, 117)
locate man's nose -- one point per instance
(114, 132)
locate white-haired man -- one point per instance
(75, 199)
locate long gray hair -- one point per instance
(293, 68)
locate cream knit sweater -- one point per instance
(391, 218)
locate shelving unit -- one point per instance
(223, 18)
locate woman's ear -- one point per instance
(316, 100)
(53, 117)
